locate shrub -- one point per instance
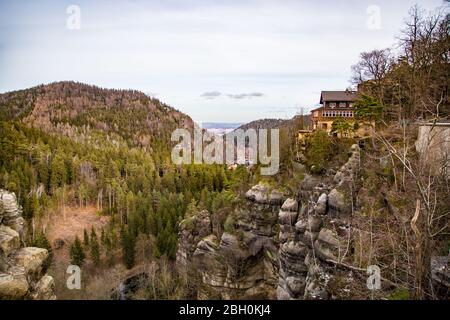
(319, 151)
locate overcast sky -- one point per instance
(228, 61)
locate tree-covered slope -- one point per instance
(79, 110)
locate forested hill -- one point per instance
(77, 110)
(298, 121)
(71, 146)
(264, 124)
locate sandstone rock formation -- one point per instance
(242, 263)
(192, 231)
(22, 269)
(300, 276)
(312, 233)
(274, 247)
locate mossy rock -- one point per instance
(188, 224)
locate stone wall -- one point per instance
(22, 269)
(433, 145)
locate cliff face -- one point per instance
(315, 233)
(242, 263)
(277, 248)
(22, 269)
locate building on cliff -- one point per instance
(335, 104)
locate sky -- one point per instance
(218, 61)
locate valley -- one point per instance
(348, 201)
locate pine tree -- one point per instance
(95, 248)
(368, 109)
(191, 209)
(319, 151)
(43, 173)
(127, 248)
(85, 238)
(93, 234)
(77, 255)
(108, 244)
(109, 250)
(103, 237)
(41, 241)
(58, 173)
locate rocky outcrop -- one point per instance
(22, 269)
(192, 231)
(274, 247)
(341, 197)
(242, 262)
(314, 232)
(44, 289)
(348, 172)
(10, 213)
(262, 194)
(298, 274)
(9, 240)
(339, 203)
(440, 275)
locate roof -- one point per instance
(338, 96)
(317, 109)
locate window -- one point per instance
(332, 104)
(342, 104)
(351, 105)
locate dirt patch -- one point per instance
(76, 220)
(66, 228)
(72, 225)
